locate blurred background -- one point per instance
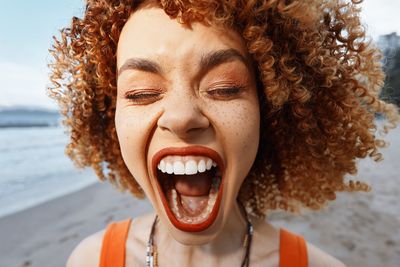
(47, 206)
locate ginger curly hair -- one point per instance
(318, 79)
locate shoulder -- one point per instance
(87, 252)
(319, 258)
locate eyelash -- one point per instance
(225, 93)
(147, 97)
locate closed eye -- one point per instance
(143, 97)
(225, 92)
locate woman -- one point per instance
(217, 111)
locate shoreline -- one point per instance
(23, 207)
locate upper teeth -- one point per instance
(185, 164)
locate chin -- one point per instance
(189, 184)
(195, 238)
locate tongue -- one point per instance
(194, 205)
(193, 185)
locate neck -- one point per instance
(228, 242)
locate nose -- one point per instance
(183, 117)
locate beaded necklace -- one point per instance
(152, 255)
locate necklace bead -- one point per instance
(152, 255)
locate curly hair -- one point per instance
(318, 77)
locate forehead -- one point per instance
(150, 33)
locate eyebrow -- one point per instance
(218, 57)
(140, 64)
(207, 61)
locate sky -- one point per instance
(27, 27)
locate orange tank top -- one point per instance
(293, 249)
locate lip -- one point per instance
(195, 151)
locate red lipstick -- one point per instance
(185, 151)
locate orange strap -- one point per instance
(113, 247)
(293, 250)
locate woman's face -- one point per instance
(187, 119)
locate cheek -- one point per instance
(132, 135)
(128, 129)
(245, 124)
(246, 127)
(240, 131)
(245, 139)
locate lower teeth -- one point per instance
(177, 204)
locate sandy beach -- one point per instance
(46, 234)
(361, 229)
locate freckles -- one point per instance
(238, 122)
(245, 129)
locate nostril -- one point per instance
(183, 123)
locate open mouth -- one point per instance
(189, 181)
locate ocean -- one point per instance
(33, 166)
